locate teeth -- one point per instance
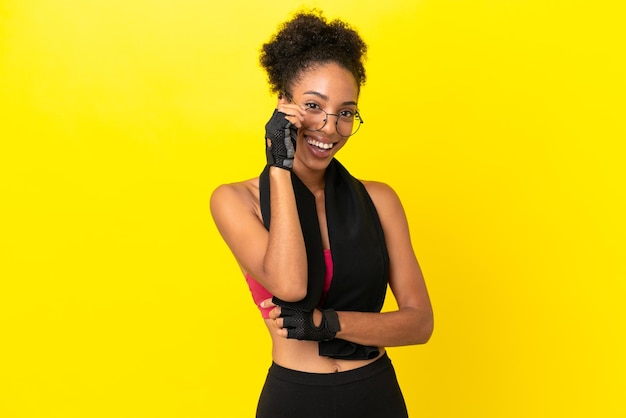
(319, 144)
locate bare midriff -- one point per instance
(304, 356)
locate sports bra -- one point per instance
(259, 293)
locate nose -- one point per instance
(331, 124)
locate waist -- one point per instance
(304, 356)
(370, 369)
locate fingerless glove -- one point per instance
(282, 137)
(299, 324)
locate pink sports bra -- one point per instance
(259, 293)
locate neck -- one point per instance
(314, 180)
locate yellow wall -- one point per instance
(499, 122)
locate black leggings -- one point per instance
(371, 391)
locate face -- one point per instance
(333, 89)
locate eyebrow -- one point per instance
(325, 97)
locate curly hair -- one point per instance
(308, 40)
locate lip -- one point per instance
(316, 150)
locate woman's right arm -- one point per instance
(275, 258)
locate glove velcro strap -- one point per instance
(332, 319)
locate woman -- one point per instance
(319, 247)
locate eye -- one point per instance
(313, 108)
(347, 114)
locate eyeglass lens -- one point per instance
(346, 125)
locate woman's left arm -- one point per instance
(412, 323)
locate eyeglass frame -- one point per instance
(357, 115)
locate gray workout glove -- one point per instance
(299, 324)
(282, 135)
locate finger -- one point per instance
(267, 303)
(295, 107)
(292, 110)
(277, 323)
(275, 313)
(297, 122)
(294, 114)
(288, 322)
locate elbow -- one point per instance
(291, 293)
(423, 329)
(289, 288)
(426, 331)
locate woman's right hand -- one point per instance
(281, 132)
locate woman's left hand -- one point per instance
(316, 331)
(274, 316)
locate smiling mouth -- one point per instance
(320, 145)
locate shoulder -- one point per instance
(242, 188)
(235, 197)
(385, 198)
(380, 192)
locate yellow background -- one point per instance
(499, 122)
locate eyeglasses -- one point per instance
(347, 123)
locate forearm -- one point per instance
(406, 326)
(285, 259)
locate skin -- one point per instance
(265, 254)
